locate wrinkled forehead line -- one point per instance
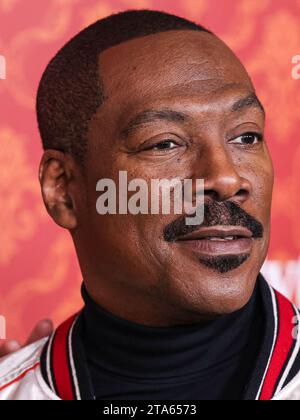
(131, 83)
(187, 55)
(188, 42)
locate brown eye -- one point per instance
(165, 145)
(248, 139)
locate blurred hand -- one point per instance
(42, 329)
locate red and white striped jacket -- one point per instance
(53, 369)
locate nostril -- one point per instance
(223, 195)
(212, 194)
(241, 196)
(242, 193)
(227, 184)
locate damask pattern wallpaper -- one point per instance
(39, 276)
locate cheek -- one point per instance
(258, 170)
(263, 186)
(261, 201)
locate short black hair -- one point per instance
(71, 90)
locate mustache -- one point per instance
(215, 214)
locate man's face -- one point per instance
(144, 257)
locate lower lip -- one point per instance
(207, 247)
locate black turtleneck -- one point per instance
(210, 361)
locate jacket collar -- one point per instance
(279, 359)
(64, 365)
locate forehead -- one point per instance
(176, 66)
(169, 60)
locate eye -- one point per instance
(248, 139)
(164, 145)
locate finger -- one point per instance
(42, 329)
(9, 347)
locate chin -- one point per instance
(215, 289)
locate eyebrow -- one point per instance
(249, 101)
(153, 115)
(170, 115)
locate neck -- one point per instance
(123, 347)
(142, 307)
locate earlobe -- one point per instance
(55, 179)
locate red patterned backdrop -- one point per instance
(38, 270)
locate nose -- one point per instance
(222, 180)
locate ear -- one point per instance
(56, 176)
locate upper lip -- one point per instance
(217, 232)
